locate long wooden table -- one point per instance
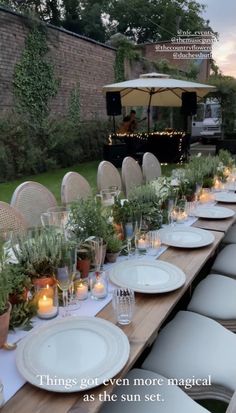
(150, 313)
(221, 225)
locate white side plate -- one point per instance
(149, 277)
(186, 237)
(214, 212)
(87, 350)
(226, 197)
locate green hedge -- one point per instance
(25, 150)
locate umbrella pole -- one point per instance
(149, 109)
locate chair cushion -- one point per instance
(225, 261)
(230, 237)
(215, 297)
(171, 400)
(194, 345)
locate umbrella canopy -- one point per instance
(156, 89)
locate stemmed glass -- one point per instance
(63, 276)
(97, 244)
(129, 231)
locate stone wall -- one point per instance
(76, 59)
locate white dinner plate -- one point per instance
(213, 212)
(226, 197)
(80, 351)
(186, 237)
(146, 276)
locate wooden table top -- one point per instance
(150, 313)
(221, 225)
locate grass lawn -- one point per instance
(52, 179)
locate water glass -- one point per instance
(56, 217)
(123, 302)
(154, 241)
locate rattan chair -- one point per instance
(32, 199)
(151, 167)
(11, 220)
(107, 176)
(192, 345)
(74, 186)
(131, 175)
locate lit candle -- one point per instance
(142, 244)
(46, 307)
(157, 243)
(182, 216)
(82, 291)
(99, 290)
(217, 184)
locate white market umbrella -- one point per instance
(156, 89)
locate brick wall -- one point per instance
(75, 59)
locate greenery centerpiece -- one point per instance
(114, 247)
(5, 306)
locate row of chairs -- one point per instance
(132, 174)
(31, 199)
(194, 348)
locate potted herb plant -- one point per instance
(114, 247)
(84, 258)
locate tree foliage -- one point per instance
(139, 20)
(226, 92)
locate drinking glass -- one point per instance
(56, 217)
(98, 250)
(154, 242)
(123, 302)
(129, 232)
(64, 278)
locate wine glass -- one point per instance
(75, 275)
(97, 245)
(129, 231)
(64, 278)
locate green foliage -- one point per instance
(41, 252)
(25, 150)
(34, 82)
(155, 22)
(21, 315)
(5, 287)
(226, 92)
(88, 218)
(114, 244)
(18, 279)
(143, 205)
(125, 50)
(133, 18)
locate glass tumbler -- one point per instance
(123, 302)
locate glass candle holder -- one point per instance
(81, 289)
(142, 241)
(98, 285)
(46, 298)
